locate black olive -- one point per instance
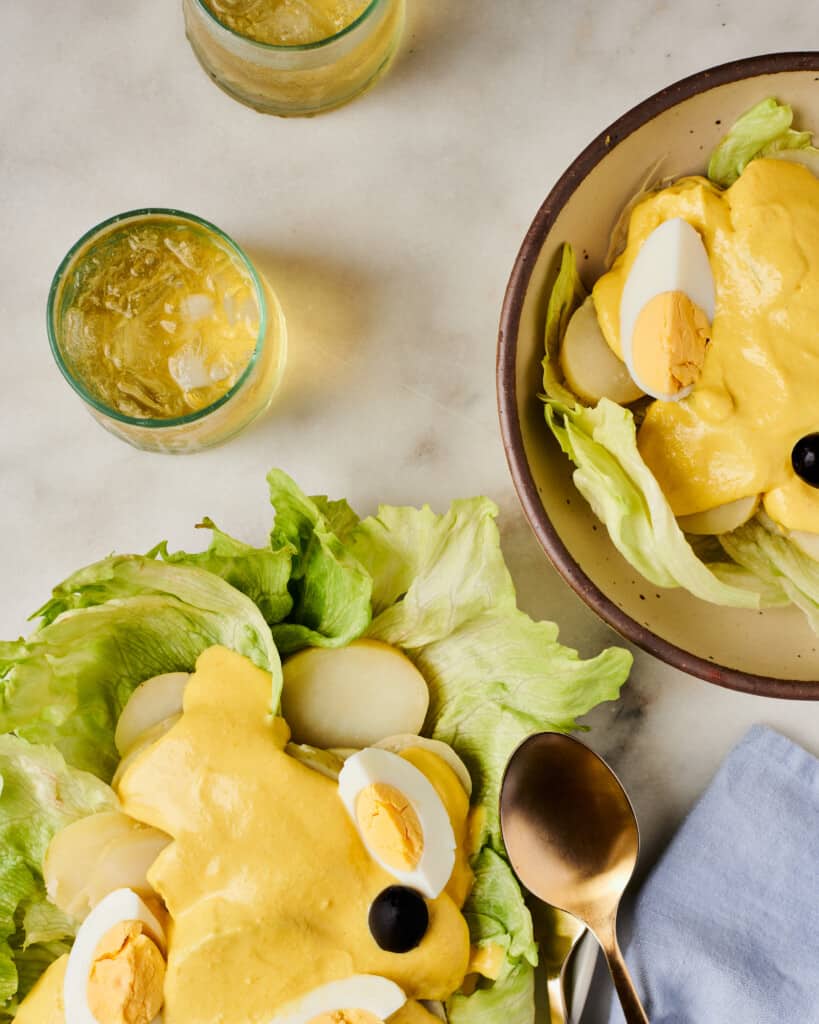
(398, 919)
(805, 459)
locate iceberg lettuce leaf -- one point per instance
(498, 917)
(330, 590)
(566, 295)
(260, 573)
(501, 677)
(764, 130)
(779, 563)
(39, 795)
(432, 573)
(495, 910)
(68, 682)
(509, 1000)
(624, 494)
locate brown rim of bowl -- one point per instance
(702, 81)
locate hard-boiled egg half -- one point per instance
(666, 310)
(359, 999)
(116, 969)
(400, 817)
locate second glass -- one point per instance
(261, 59)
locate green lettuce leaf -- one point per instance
(497, 916)
(764, 130)
(625, 495)
(39, 795)
(778, 563)
(566, 295)
(118, 622)
(495, 910)
(432, 573)
(501, 677)
(509, 1000)
(260, 573)
(330, 590)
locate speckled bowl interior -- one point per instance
(773, 652)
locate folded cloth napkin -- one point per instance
(726, 928)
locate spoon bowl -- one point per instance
(572, 839)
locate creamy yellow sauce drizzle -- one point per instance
(759, 389)
(267, 881)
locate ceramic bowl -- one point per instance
(773, 652)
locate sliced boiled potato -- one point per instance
(141, 744)
(590, 367)
(407, 741)
(327, 762)
(352, 696)
(152, 701)
(721, 519)
(808, 542)
(96, 855)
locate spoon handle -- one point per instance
(627, 994)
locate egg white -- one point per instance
(120, 905)
(373, 765)
(368, 992)
(673, 258)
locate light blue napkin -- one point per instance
(726, 928)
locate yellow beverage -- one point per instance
(294, 57)
(287, 22)
(163, 326)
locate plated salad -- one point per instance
(683, 387)
(261, 784)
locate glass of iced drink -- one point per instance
(294, 57)
(165, 329)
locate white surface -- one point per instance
(389, 229)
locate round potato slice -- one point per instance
(590, 367)
(92, 857)
(352, 696)
(721, 519)
(406, 741)
(152, 701)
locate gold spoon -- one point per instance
(572, 838)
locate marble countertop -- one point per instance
(388, 229)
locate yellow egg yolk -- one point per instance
(267, 881)
(127, 976)
(668, 344)
(390, 826)
(732, 437)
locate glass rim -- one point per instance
(78, 386)
(293, 47)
